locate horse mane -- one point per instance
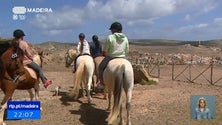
(1, 68)
(14, 48)
(4, 45)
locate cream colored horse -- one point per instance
(118, 76)
(84, 72)
(97, 61)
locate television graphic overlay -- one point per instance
(23, 110)
(202, 106)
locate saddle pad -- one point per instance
(31, 72)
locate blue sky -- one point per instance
(141, 19)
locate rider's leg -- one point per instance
(38, 69)
(102, 67)
(74, 64)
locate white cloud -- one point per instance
(131, 12)
(68, 18)
(55, 32)
(192, 27)
(200, 6)
(187, 17)
(218, 21)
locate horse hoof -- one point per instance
(108, 109)
(75, 97)
(90, 102)
(2, 123)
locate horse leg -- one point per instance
(31, 95)
(128, 92)
(36, 88)
(89, 82)
(83, 90)
(94, 80)
(105, 91)
(121, 122)
(8, 96)
(2, 111)
(109, 101)
(128, 88)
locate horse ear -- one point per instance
(14, 43)
(40, 53)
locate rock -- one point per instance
(140, 74)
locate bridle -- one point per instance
(69, 59)
(15, 77)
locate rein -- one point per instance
(14, 57)
(69, 59)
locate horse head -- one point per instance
(12, 63)
(70, 56)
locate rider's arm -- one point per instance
(127, 47)
(78, 47)
(29, 52)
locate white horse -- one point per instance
(84, 72)
(118, 76)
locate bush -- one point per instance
(151, 82)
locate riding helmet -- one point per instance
(116, 25)
(95, 38)
(18, 33)
(81, 35)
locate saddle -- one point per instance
(74, 70)
(104, 64)
(32, 73)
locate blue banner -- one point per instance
(23, 114)
(23, 110)
(23, 105)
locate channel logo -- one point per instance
(19, 10)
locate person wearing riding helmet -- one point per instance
(82, 48)
(95, 48)
(28, 57)
(116, 46)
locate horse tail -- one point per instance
(78, 78)
(117, 93)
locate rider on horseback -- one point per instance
(28, 57)
(95, 48)
(82, 48)
(116, 46)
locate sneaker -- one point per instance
(74, 70)
(47, 83)
(100, 86)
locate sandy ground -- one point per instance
(167, 103)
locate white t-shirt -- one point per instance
(86, 48)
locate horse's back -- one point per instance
(97, 62)
(98, 59)
(88, 62)
(119, 67)
(120, 62)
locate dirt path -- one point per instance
(167, 103)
